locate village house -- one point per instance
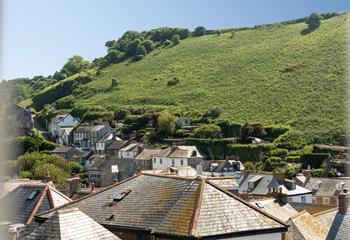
(61, 126)
(325, 191)
(108, 170)
(191, 208)
(113, 148)
(104, 142)
(27, 200)
(86, 137)
(262, 185)
(130, 151)
(144, 159)
(177, 156)
(65, 152)
(222, 167)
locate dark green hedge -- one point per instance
(315, 160)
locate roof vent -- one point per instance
(121, 195)
(32, 195)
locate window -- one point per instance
(326, 201)
(173, 162)
(303, 199)
(182, 162)
(161, 161)
(154, 160)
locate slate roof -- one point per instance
(84, 129)
(268, 181)
(70, 224)
(12, 184)
(327, 186)
(305, 226)
(130, 147)
(29, 199)
(147, 154)
(117, 145)
(179, 152)
(195, 206)
(61, 150)
(279, 210)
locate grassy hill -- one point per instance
(274, 74)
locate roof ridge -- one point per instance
(92, 194)
(37, 205)
(170, 176)
(325, 211)
(197, 207)
(247, 204)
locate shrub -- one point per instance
(173, 82)
(229, 129)
(166, 124)
(114, 83)
(315, 160)
(199, 31)
(208, 131)
(317, 172)
(249, 165)
(313, 21)
(213, 112)
(249, 151)
(291, 140)
(279, 152)
(175, 39)
(292, 159)
(274, 131)
(65, 103)
(76, 167)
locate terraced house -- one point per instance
(166, 207)
(86, 137)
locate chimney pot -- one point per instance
(344, 202)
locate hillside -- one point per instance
(273, 74)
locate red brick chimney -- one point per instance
(344, 201)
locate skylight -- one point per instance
(119, 196)
(32, 195)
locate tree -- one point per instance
(232, 34)
(213, 112)
(76, 167)
(148, 45)
(249, 165)
(218, 32)
(199, 31)
(313, 21)
(166, 124)
(74, 65)
(208, 131)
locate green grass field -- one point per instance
(269, 75)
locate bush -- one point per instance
(199, 31)
(279, 152)
(65, 103)
(292, 159)
(76, 167)
(208, 131)
(229, 129)
(247, 152)
(173, 82)
(317, 172)
(213, 112)
(249, 165)
(166, 124)
(315, 160)
(291, 140)
(175, 39)
(274, 131)
(26, 174)
(313, 21)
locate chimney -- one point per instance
(279, 176)
(306, 172)
(92, 187)
(343, 201)
(246, 173)
(74, 185)
(199, 168)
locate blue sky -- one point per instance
(38, 36)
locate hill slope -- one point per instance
(270, 75)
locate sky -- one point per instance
(38, 36)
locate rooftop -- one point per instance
(180, 152)
(84, 129)
(63, 225)
(195, 206)
(147, 154)
(29, 199)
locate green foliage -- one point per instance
(175, 39)
(173, 82)
(248, 165)
(213, 112)
(215, 148)
(76, 167)
(166, 124)
(291, 140)
(315, 160)
(317, 172)
(34, 142)
(242, 76)
(229, 128)
(292, 171)
(39, 166)
(199, 31)
(274, 131)
(114, 83)
(26, 174)
(249, 152)
(313, 21)
(279, 152)
(65, 103)
(74, 65)
(208, 131)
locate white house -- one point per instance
(60, 125)
(130, 151)
(177, 156)
(104, 142)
